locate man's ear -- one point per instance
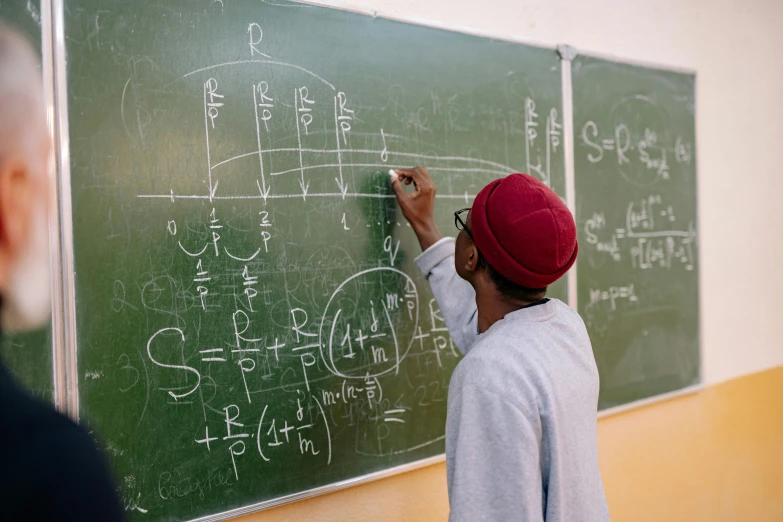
(16, 193)
(473, 258)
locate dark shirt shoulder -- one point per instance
(50, 468)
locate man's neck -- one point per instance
(492, 306)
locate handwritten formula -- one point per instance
(271, 332)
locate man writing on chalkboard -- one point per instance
(50, 468)
(521, 429)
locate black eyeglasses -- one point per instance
(460, 224)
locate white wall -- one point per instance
(736, 47)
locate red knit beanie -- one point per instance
(524, 230)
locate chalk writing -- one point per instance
(646, 236)
(278, 360)
(643, 155)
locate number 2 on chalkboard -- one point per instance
(435, 397)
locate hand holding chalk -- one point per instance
(403, 176)
(417, 207)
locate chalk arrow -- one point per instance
(263, 191)
(213, 189)
(304, 187)
(343, 187)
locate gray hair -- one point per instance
(23, 131)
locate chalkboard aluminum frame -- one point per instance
(64, 341)
(55, 244)
(322, 490)
(66, 389)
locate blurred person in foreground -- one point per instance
(521, 441)
(50, 468)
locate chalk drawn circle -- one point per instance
(633, 113)
(373, 334)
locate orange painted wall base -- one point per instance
(713, 456)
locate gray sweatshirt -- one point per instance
(522, 409)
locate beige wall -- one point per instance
(736, 48)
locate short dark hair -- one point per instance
(510, 289)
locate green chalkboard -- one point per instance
(250, 321)
(635, 178)
(28, 355)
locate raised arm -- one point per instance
(455, 297)
(418, 207)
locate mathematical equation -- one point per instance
(647, 151)
(350, 359)
(316, 121)
(334, 371)
(646, 237)
(612, 295)
(553, 130)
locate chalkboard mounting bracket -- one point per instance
(566, 52)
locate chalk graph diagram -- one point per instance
(336, 159)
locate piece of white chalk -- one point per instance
(393, 174)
